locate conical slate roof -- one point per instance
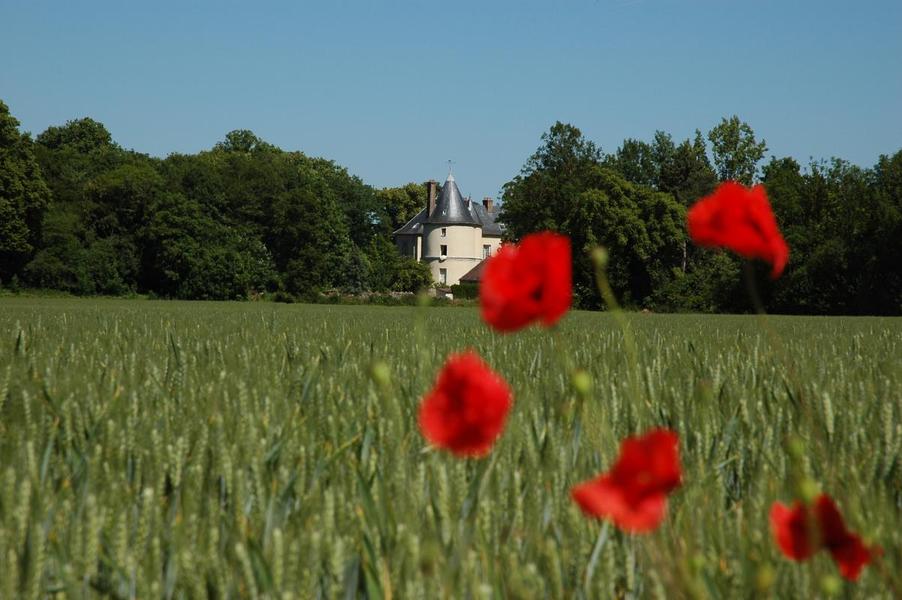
(451, 208)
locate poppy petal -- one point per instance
(740, 219)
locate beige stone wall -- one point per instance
(464, 250)
(494, 242)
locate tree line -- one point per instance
(843, 222)
(81, 214)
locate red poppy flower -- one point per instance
(792, 531)
(799, 533)
(466, 410)
(633, 494)
(848, 551)
(527, 282)
(739, 218)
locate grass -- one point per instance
(186, 450)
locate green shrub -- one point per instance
(465, 291)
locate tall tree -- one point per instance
(23, 196)
(566, 187)
(686, 173)
(81, 135)
(736, 151)
(402, 203)
(540, 197)
(635, 160)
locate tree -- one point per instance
(642, 229)
(243, 140)
(736, 151)
(309, 238)
(564, 187)
(411, 276)
(884, 276)
(188, 254)
(80, 135)
(635, 160)
(23, 196)
(401, 204)
(539, 198)
(685, 172)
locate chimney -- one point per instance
(431, 187)
(489, 204)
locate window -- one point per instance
(486, 251)
(444, 232)
(443, 276)
(444, 251)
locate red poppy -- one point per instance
(791, 530)
(466, 410)
(527, 282)
(633, 494)
(848, 551)
(741, 219)
(799, 533)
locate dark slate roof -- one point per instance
(452, 209)
(413, 226)
(490, 226)
(474, 275)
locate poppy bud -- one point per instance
(808, 490)
(381, 373)
(581, 382)
(831, 585)
(796, 448)
(764, 578)
(600, 257)
(697, 562)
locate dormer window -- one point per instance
(444, 233)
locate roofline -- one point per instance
(443, 224)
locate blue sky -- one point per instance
(392, 90)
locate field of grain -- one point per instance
(231, 450)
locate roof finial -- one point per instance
(450, 170)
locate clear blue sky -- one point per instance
(392, 90)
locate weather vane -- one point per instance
(450, 168)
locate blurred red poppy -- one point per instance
(799, 533)
(741, 219)
(848, 551)
(790, 527)
(633, 494)
(466, 410)
(527, 282)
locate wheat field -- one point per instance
(153, 449)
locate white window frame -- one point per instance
(443, 276)
(486, 250)
(444, 232)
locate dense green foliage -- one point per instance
(843, 223)
(79, 213)
(466, 290)
(193, 450)
(238, 220)
(23, 196)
